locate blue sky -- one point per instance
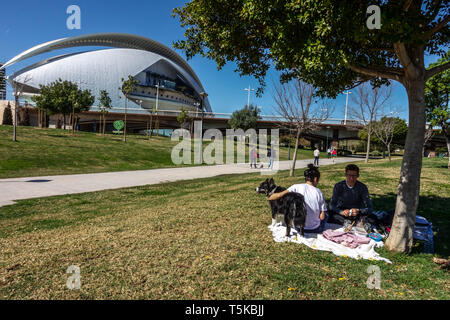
(25, 24)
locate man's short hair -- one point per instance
(352, 167)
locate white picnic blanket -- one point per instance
(318, 242)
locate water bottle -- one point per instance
(429, 242)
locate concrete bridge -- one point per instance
(328, 133)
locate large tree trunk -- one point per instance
(292, 172)
(401, 236)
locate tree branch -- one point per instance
(434, 13)
(438, 69)
(394, 74)
(407, 5)
(378, 49)
(402, 54)
(437, 28)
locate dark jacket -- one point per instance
(348, 198)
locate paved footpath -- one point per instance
(37, 187)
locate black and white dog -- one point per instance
(292, 206)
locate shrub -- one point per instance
(25, 118)
(7, 116)
(343, 152)
(376, 153)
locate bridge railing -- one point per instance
(219, 115)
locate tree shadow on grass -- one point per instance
(434, 209)
(58, 136)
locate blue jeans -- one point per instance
(320, 228)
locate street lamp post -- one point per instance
(346, 104)
(328, 127)
(202, 103)
(249, 90)
(140, 105)
(197, 105)
(16, 100)
(156, 112)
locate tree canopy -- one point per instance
(437, 106)
(105, 101)
(63, 97)
(325, 43)
(183, 117)
(400, 128)
(437, 90)
(246, 118)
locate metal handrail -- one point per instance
(228, 115)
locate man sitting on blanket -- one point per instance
(350, 202)
(315, 204)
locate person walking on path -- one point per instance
(253, 156)
(334, 154)
(329, 153)
(271, 155)
(316, 156)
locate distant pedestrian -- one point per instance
(253, 157)
(329, 153)
(316, 156)
(334, 154)
(271, 155)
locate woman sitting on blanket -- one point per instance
(315, 204)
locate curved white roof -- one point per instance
(106, 67)
(66, 65)
(115, 40)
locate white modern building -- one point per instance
(157, 68)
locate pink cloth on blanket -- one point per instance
(345, 238)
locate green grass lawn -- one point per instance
(208, 239)
(41, 152)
